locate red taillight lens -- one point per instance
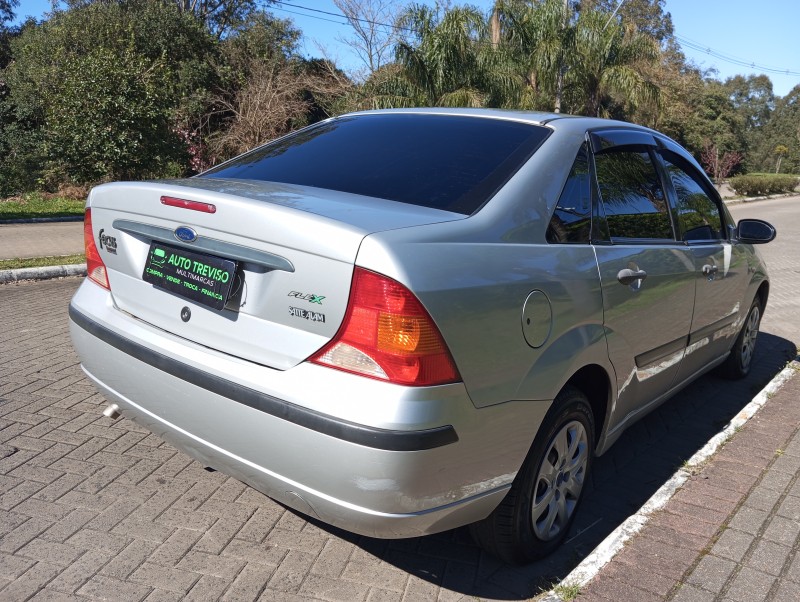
(95, 268)
(387, 334)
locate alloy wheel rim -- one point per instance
(558, 484)
(749, 337)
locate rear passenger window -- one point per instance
(698, 214)
(572, 219)
(632, 196)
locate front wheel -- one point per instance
(738, 363)
(538, 510)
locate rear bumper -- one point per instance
(421, 460)
(392, 440)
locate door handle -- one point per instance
(628, 276)
(710, 270)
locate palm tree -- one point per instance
(529, 55)
(603, 60)
(446, 59)
(539, 37)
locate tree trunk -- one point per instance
(559, 87)
(494, 24)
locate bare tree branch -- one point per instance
(373, 32)
(276, 98)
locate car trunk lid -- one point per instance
(290, 249)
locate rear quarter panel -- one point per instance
(475, 275)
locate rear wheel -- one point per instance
(741, 358)
(538, 511)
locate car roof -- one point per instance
(557, 121)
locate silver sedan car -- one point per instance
(400, 322)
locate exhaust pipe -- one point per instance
(112, 411)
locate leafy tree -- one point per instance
(218, 16)
(152, 44)
(647, 15)
(7, 10)
(783, 129)
(754, 101)
(752, 97)
(714, 121)
(260, 36)
(679, 83)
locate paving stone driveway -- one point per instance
(94, 508)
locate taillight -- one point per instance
(387, 334)
(95, 268)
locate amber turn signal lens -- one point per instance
(387, 334)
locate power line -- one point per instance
(294, 12)
(325, 12)
(732, 59)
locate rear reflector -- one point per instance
(184, 204)
(95, 268)
(387, 334)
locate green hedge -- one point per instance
(763, 184)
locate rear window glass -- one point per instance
(443, 162)
(572, 219)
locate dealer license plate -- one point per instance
(204, 279)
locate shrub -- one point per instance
(763, 184)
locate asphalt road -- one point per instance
(91, 508)
(782, 255)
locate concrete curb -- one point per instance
(42, 220)
(753, 199)
(608, 548)
(42, 273)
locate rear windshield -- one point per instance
(444, 162)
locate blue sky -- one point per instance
(752, 35)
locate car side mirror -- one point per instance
(755, 231)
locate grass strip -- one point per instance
(37, 262)
(34, 204)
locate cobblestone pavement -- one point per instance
(732, 532)
(94, 508)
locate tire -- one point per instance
(536, 514)
(738, 363)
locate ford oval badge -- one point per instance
(185, 234)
